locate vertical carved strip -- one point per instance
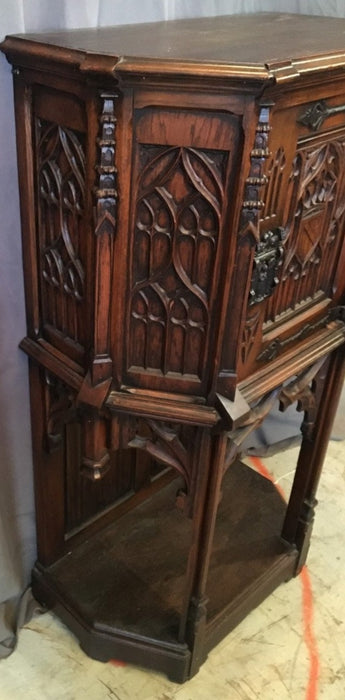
(257, 179)
(248, 235)
(105, 228)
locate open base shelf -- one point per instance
(122, 590)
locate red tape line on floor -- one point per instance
(307, 604)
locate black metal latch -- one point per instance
(267, 261)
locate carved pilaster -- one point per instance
(96, 458)
(105, 227)
(257, 179)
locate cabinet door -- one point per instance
(184, 163)
(305, 197)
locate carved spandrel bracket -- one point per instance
(164, 443)
(317, 113)
(299, 389)
(59, 408)
(268, 260)
(168, 444)
(256, 416)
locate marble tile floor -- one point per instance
(292, 646)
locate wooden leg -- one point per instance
(48, 457)
(316, 433)
(204, 525)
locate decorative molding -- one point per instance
(268, 259)
(317, 113)
(278, 345)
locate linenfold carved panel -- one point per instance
(177, 224)
(316, 220)
(61, 193)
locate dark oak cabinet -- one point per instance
(183, 208)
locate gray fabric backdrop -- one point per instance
(17, 523)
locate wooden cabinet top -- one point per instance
(261, 46)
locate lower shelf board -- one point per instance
(122, 590)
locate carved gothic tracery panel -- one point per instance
(317, 208)
(177, 227)
(61, 193)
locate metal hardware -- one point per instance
(315, 114)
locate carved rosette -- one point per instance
(105, 228)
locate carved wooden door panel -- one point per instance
(183, 168)
(302, 227)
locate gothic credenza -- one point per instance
(183, 209)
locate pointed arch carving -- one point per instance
(177, 227)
